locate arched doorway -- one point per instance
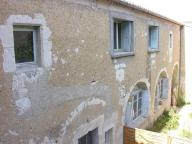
(162, 90)
(137, 105)
(174, 85)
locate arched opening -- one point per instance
(174, 86)
(137, 105)
(162, 90)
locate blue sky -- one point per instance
(180, 10)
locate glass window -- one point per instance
(24, 46)
(123, 36)
(153, 37)
(90, 138)
(109, 136)
(137, 104)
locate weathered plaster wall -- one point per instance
(84, 82)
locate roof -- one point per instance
(144, 10)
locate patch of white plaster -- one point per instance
(82, 106)
(6, 36)
(23, 104)
(76, 50)
(68, 50)
(14, 133)
(153, 55)
(115, 61)
(153, 62)
(63, 61)
(46, 140)
(67, 74)
(55, 58)
(170, 55)
(82, 74)
(20, 91)
(82, 41)
(120, 71)
(101, 56)
(53, 69)
(120, 75)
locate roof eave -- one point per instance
(146, 11)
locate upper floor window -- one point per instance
(170, 40)
(123, 37)
(153, 38)
(25, 44)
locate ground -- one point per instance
(185, 123)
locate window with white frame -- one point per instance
(153, 37)
(26, 42)
(123, 36)
(170, 40)
(109, 136)
(90, 138)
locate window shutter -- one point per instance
(125, 40)
(128, 114)
(145, 103)
(165, 88)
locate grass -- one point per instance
(167, 121)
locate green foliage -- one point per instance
(186, 133)
(181, 98)
(173, 122)
(168, 120)
(180, 101)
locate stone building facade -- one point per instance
(87, 68)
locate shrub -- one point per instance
(168, 120)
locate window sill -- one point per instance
(137, 122)
(153, 50)
(24, 67)
(122, 54)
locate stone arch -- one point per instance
(174, 84)
(137, 104)
(161, 88)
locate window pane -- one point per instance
(115, 35)
(23, 45)
(109, 136)
(82, 140)
(153, 37)
(134, 109)
(119, 35)
(123, 35)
